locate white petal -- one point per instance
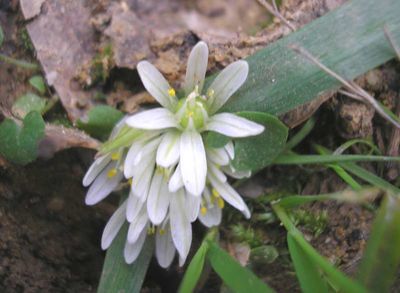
(98, 165)
(230, 149)
(113, 226)
(165, 249)
(132, 250)
(196, 67)
(158, 199)
(142, 179)
(158, 118)
(181, 229)
(192, 206)
(133, 207)
(176, 181)
(137, 226)
(212, 217)
(156, 84)
(233, 126)
(226, 83)
(148, 152)
(193, 162)
(103, 185)
(132, 154)
(218, 156)
(216, 172)
(168, 150)
(228, 193)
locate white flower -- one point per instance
(175, 178)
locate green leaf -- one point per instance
(101, 121)
(307, 272)
(38, 83)
(237, 278)
(336, 278)
(364, 195)
(19, 144)
(216, 140)
(293, 159)
(193, 271)
(118, 276)
(362, 173)
(379, 266)
(280, 80)
(253, 153)
(1, 36)
(28, 103)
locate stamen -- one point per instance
(220, 202)
(161, 231)
(115, 156)
(130, 181)
(171, 92)
(215, 193)
(151, 230)
(112, 173)
(203, 210)
(210, 93)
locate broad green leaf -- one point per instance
(28, 103)
(216, 140)
(119, 277)
(349, 40)
(19, 144)
(293, 159)
(38, 83)
(100, 121)
(237, 278)
(335, 277)
(310, 278)
(379, 266)
(253, 153)
(193, 271)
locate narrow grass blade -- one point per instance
(339, 280)
(118, 276)
(237, 278)
(381, 260)
(364, 195)
(310, 278)
(292, 159)
(193, 271)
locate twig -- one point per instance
(275, 12)
(389, 36)
(354, 88)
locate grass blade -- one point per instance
(339, 280)
(293, 159)
(381, 260)
(308, 274)
(117, 276)
(193, 271)
(237, 278)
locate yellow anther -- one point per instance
(220, 203)
(215, 193)
(161, 231)
(210, 93)
(130, 180)
(112, 173)
(171, 92)
(189, 114)
(203, 210)
(115, 156)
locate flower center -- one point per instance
(192, 111)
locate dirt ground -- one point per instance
(50, 241)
